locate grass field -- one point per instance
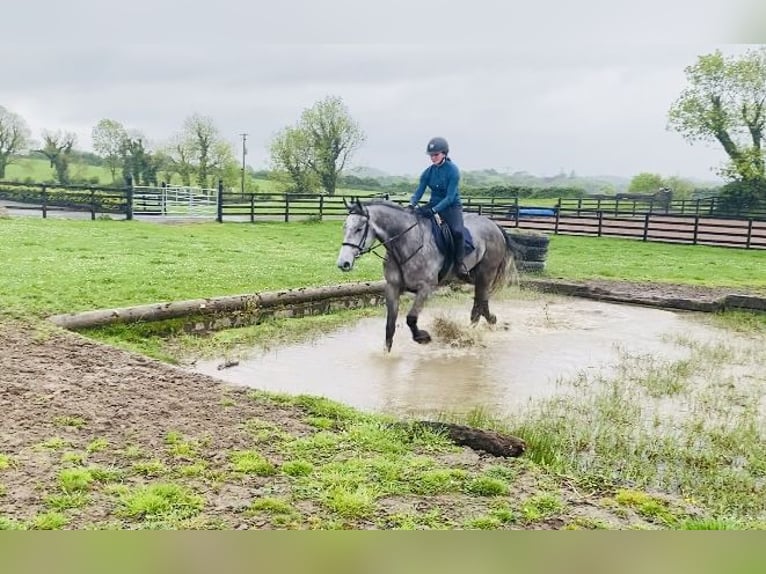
(39, 170)
(598, 443)
(67, 265)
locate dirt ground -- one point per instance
(60, 392)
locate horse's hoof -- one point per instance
(422, 337)
(491, 319)
(388, 345)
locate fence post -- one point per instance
(696, 229)
(516, 209)
(634, 208)
(492, 208)
(646, 226)
(92, 205)
(45, 201)
(579, 205)
(129, 198)
(287, 207)
(749, 233)
(252, 207)
(219, 203)
(164, 199)
(558, 214)
(321, 206)
(616, 207)
(600, 217)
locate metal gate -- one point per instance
(175, 201)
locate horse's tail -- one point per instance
(508, 269)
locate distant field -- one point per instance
(39, 170)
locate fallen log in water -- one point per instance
(245, 303)
(489, 441)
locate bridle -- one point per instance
(361, 250)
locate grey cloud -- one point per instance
(521, 97)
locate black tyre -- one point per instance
(530, 239)
(531, 266)
(535, 253)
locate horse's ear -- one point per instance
(345, 202)
(359, 203)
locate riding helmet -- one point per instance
(437, 145)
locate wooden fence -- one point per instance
(699, 222)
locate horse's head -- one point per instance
(358, 235)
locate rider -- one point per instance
(443, 176)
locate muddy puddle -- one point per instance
(536, 346)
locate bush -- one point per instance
(742, 197)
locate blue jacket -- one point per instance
(443, 180)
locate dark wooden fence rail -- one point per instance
(47, 198)
(699, 222)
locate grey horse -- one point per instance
(415, 264)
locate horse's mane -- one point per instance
(376, 201)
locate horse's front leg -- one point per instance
(419, 335)
(392, 310)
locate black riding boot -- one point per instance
(459, 245)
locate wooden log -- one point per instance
(489, 441)
(226, 304)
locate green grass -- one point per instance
(630, 260)
(347, 465)
(66, 265)
(39, 170)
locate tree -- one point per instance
(325, 138)
(14, 137)
(200, 152)
(180, 153)
(57, 147)
(289, 155)
(138, 162)
(647, 183)
(109, 138)
(682, 188)
(724, 102)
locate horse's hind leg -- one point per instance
(419, 335)
(481, 297)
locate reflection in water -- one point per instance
(535, 344)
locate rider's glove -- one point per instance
(424, 211)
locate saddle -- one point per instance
(443, 237)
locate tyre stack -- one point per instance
(535, 250)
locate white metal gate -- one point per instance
(175, 201)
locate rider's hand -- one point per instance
(424, 211)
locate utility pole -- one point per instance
(244, 153)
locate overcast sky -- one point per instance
(520, 90)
